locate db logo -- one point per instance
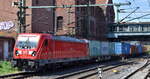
(25, 52)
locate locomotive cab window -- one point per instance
(27, 41)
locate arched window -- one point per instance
(59, 22)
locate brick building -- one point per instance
(87, 22)
(43, 20)
(84, 22)
(8, 27)
(92, 22)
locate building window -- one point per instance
(77, 2)
(59, 22)
(37, 1)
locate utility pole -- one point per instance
(21, 16)
(22, 11)
(89, 23)
(117, 13)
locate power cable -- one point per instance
(129, 14)
(131, 7)
(134, 12)
(142, 8)
(138, 17)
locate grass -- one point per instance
(6, 68)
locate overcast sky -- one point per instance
(144, 9)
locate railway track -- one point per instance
(23, 75)
(89, 72)
(138, 70)
(76, 75)
(20, 75)
(148, 75)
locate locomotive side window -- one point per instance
(46, 42)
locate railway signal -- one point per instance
(21, 14)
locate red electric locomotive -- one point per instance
(36, 50)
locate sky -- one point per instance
(143, 10)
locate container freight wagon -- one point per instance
(134, 50)
(105, 51)
(126, 49)
(112, 48)
(122, 49)
(94, 49)
(139, 49)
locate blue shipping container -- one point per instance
(112, 48)
(126, 48)
(105, 48)
(122, 48)
(140, 49)
(94, 48)
(118, 48)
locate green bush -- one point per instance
(6, 68)
(148, 52)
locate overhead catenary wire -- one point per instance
(137, 12)
(118, 13)
(134, 5)
(129, 14)
(138, 17)
(142, 10)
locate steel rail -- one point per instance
(148, 75)
(141, 68)
(91, 74)
(18, 75)
(88, 70)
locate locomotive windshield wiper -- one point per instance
(24, 44)
(27, 44)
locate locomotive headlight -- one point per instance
(30, 52)
(18, 52)
(34, 53)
